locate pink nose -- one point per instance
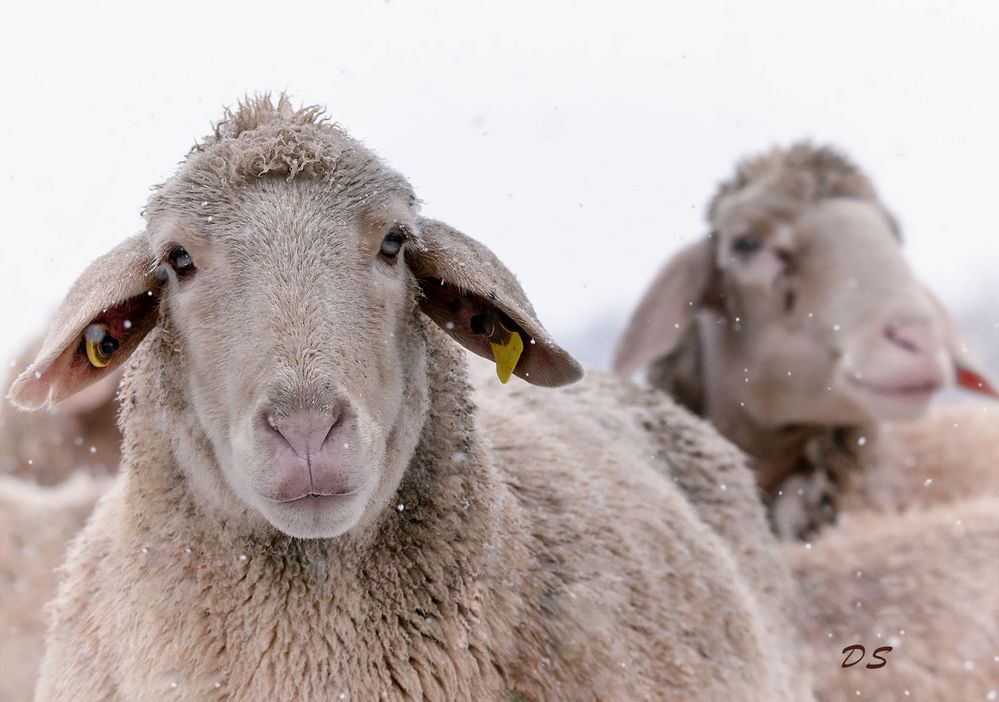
(311, 453)
(915, 337)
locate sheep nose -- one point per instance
(311, 453)
(915, 337)
(304, 432)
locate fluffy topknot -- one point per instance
(252, 113)
(264, 138)
(801, 174)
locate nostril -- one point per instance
(268, 426)
(912, 337)
(336, 417)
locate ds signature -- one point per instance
(849, 651)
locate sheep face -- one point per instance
(288, 270)
(294, 319)
(826, 315)
(806, 313)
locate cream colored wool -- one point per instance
(546, 552)
(537, 544)
(47, 447)
(36, 524)
(948, 456)
(925, 583)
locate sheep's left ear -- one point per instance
(477, 300)
(105, 315)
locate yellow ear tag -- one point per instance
(507, 354)
(100, 345)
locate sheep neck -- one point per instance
(694, 373)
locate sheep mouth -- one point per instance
(900, 391)
(317, 496)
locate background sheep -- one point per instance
(925, 583)
(35, 525)
(797, 323)
(72, 447)
(308, 506)
(79, 434)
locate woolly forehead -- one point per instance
(783, 183)
(315, 168)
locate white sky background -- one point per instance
(580, 141)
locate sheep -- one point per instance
(315, 503)
(924, 583)
(797, 327)
(79, 434)
(35, 525)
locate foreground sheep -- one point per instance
(47, 447)
(797, 328)
(35, 525)
(310, 504)
(925, 583)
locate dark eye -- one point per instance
(181, 261)
(392, 243)
(746, 244)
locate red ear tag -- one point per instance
(969, 380)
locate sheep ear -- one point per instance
(478, 302)
(969, 372)
(667, 308)
(115, 291)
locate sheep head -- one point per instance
(288, 267)
(806, 308)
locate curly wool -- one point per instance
(800, 175)
(262, 139)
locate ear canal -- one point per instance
(667, 309)
(478, 302)
(105, 315)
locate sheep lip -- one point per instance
(313, 495)
(900, 390)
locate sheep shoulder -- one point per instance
(919, 582)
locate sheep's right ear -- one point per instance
(470, 294)
(114, 297)
(667, 308)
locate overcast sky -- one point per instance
(580, 141)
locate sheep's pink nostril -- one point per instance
(914, 337)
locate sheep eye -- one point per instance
(100, 345)
(181, 261)
(392, 243)
(747, 244)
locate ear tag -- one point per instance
(969, 380)
(507, 345)
(100, 345)
(507, 354)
